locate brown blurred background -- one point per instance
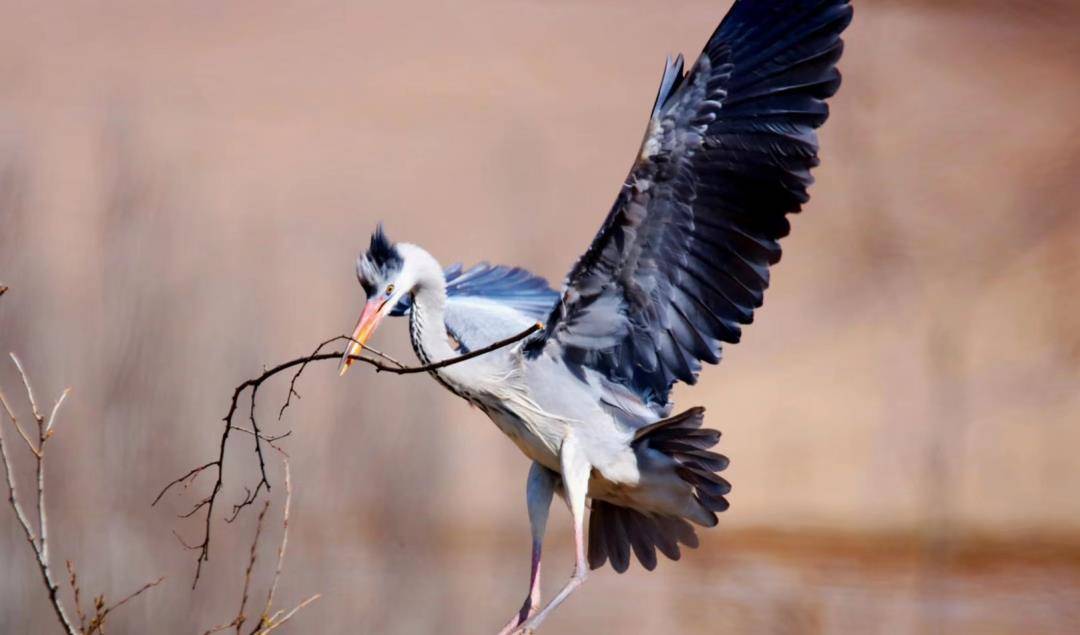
(184, 186)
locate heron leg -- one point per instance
(538, 493)
(575, 474)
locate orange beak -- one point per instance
(369, 319)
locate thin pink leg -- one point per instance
(532, 602)
(581, 569)
(538, 493)
(575, 473)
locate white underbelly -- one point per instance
(539, 441)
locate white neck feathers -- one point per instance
(427, 327)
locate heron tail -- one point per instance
(615, 531)
(682, 438)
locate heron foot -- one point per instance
(534, 622)
(528, 609)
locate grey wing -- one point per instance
(682, 260)
(487, 303)
(476, 322)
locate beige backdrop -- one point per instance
(183, 188)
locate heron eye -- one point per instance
(389, 289)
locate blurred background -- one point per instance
(184, 187)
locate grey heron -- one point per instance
(678, 266)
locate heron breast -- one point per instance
(527, 435)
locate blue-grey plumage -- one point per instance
(679, 265)
(489, 301)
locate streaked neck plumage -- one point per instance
(427, 327)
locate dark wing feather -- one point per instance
(682, 260)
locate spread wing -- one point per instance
(682, 260)
(487, 303)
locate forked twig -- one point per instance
(278, 621)
(251, 495)
(39, 543)
(267, 622)
(187, 479)
(15, 423)
(240, 618)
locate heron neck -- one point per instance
(427, 326)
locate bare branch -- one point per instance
(292, 383)
(249, 499)
(203, 503)
(240, 617)
(97, 625)
(296, 375)
(270, 440)
(15, 422)
(379, 353)
(189, 478)
(288, 616)
(218, 628)
(56, 408)
(43, 525)
(254, 384)
(39, 545)
(3, 289)
(136, 593)
(258, 451)
(13, 495)
(180, 539)
(426, 368)
(30, 394)
(265, 620)
(29, 390)
(78, 596)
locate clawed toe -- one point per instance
(516, 625)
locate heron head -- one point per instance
(382, 272)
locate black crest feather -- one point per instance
(380, 263)
(382, 252)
